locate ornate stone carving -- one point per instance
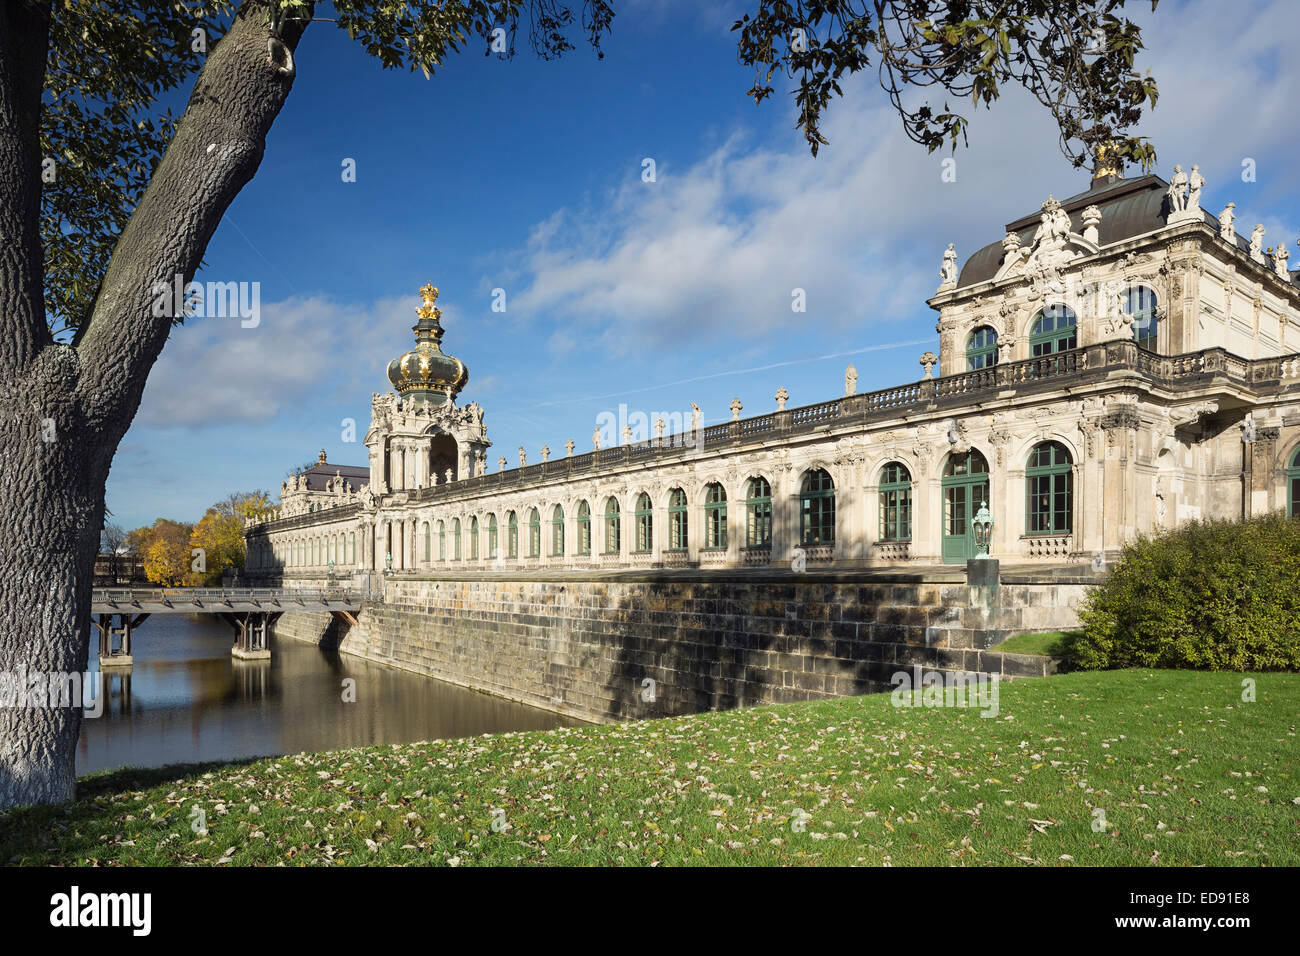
(1048, 255)
(850, 381)
(1280, 257)
(1227, 232)
(928, 362)
(948, 270)
(782, 396)
(1091, 220)
(1185, 195)
(1257, 244)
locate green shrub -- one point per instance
(1211, 595)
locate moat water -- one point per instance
(186, 700)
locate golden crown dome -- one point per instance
(426, 373)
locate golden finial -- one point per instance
(1106, 161)
(429, 293)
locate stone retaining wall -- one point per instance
(587, 647)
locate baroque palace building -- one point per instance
(1119, 362)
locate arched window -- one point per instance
(758, 513)
(512, 535)
(612, 529)
(313, 552)
(1054, 330)
(1140, 304)
(492, 536)
(557, 532)
(584, 527)
(715, 516)
(982, 348)
(895, 503)
(455, 539)
(1049, 487)
(817, 508)
(677, 520)
(473, 538)
(442, 541)
(644, 523)
(1293, 486)
(534, 534)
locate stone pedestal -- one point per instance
(982, 572)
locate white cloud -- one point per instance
(303, 351)
(715, 246)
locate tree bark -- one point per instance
(64, 409)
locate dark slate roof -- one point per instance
(1129, 207)
(323, 471)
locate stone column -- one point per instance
(785, 515)
(1008, 520)
(735, 521)
(870, 525)
(659, 523)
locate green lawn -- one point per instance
(1184, 771)
(1048, 642)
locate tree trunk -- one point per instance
(51, 509)
(64, 409)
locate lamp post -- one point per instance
(982, 524)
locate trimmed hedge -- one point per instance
(1210, 595)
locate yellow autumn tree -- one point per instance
(167, 553)
(219, 536)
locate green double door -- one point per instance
(965, 488)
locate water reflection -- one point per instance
(185, 700)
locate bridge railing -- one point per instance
(176, 596)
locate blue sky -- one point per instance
(527, 176)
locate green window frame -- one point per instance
(492, 536)
(644, 523)
(982, 348)
(442, 542)
(557, 532)
(1140, 303)
(677, 520)
(534, 534)
(1293, 486)
(584, 527)
(512, 535)
(817, 508)
(473, 538)
(455, 539)
(613, 527)
(895, 503)
(715, 516)
(758, 513)
(1049, 490)
(1055, 329)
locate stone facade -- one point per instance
(1170, 390)
(603, 647)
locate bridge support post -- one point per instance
(251, 635)
(122, 631)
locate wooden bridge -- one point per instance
(249, 611)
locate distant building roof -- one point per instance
(1129, 207)
(323, 471)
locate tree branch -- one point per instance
(217, 149)
(24, 37)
